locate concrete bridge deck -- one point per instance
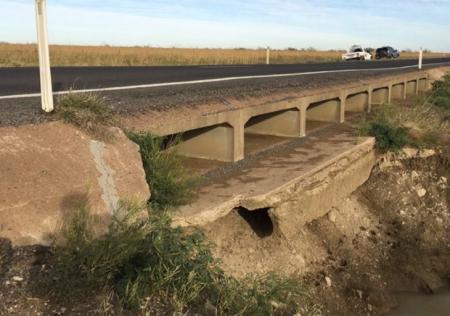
(220, 132)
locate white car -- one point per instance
(356, 52)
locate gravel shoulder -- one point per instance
(16, 112)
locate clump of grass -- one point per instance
(441, 93)
(422, 124)
(87, 112)
(171, 184)
(388, 136)
(146, 262)
(85, 263)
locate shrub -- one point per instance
(87, 112)
(147, 262)
(170, 182)
(389, 137)
(441, 93)
(86, 263)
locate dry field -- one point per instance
(22, 55)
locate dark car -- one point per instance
(386, 52)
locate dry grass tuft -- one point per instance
(88, 112)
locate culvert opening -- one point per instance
(258, 220)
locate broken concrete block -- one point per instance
(47, 169)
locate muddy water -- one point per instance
(423, 305)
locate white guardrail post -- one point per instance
(268, 55)
(420, 58)
(44, 56)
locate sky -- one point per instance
(322, 24)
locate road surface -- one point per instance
(17, 81)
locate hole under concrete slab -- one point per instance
(258, 220)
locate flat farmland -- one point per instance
(25, 55)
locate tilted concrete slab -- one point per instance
(299, 182)
(48, 169)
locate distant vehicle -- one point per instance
(386, 52)
(356, 52)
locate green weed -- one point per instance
(171, 184)
(146, 262)
(441, 93)
(388, 136)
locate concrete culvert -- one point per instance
(259, 221)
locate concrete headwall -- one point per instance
(317, 193)
(296, 201)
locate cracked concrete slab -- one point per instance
(47, 169)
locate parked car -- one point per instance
(356, 52)
(386, 52)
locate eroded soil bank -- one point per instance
(391, 235)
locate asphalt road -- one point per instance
(26, 80)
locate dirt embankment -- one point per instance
(391, 235)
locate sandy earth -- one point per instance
(391, 235)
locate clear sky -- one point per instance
(324, 24)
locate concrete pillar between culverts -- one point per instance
(405, 89)
(285, 123)
(238, 141)
(302, 109)
(369, 100)
(389, 99)
(342, 107)
(417, 86)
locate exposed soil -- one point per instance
(391, 235)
